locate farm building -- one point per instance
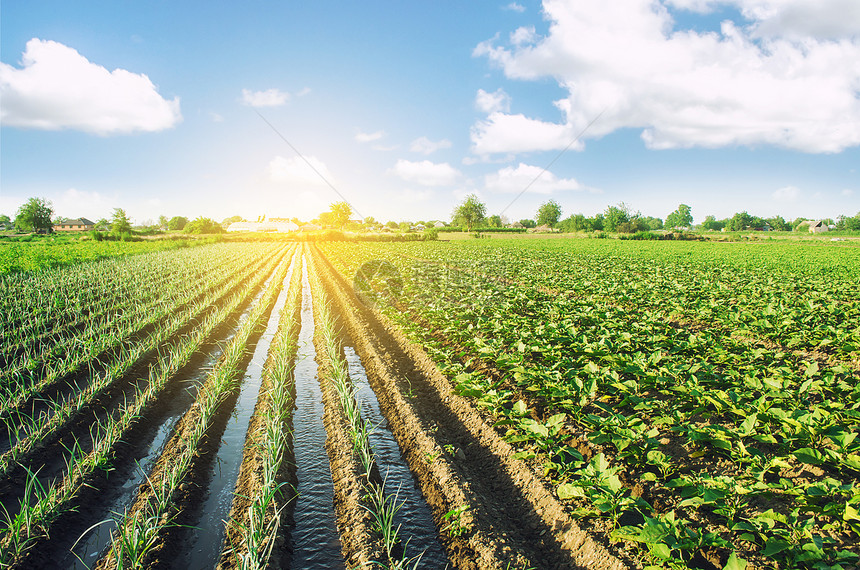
(270, 226)
(817, 227)
(76, 225)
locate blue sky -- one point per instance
(725, 105)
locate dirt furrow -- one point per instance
(492, 511)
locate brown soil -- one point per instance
(250, 479)
(353, 520)
(458, 459)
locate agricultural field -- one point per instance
(565, 403)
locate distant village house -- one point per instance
(76, 225)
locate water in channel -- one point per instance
(414, 517)
(156, 431)
(315, 540)
(209, 533)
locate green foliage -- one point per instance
(549, 213)
(712, 224)
(680, 218)
(340, 212)
(617, 218)
(528, 223)
(494, 221)
(203, 226)
(177, 223)
(34, 216)
(470, 212)
(227, 221)
(120, 224)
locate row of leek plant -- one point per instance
(34, 430)
(141, 527)
(40, 302)
(34, 372)
(42, 505)
(381, 505)
(252, 534)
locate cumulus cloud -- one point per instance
(788, 18)
(510, 179)
(495, 102)
(369, 137)
(502, 133)
(515, 7)
(297, 171)
(426, 146)
(58, 88)
(268, 98)
(748, 84)
(425, 173)
(786, 194)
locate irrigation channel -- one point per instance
(282, 424)
(315, 540)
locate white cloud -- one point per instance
(495, 102)
(523, 35)
(297, 171)
(539, 181)
(58, 88)
(740, 86)
(515, 7)
(847, 192)
(425, 173)
(426, 146)
(786, 194)
(268, 98)
(789, 18)
(369, 137)
(216, 118)
(74, 203)
(517, 133)
(303, 91)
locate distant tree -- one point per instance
(5, 222)
(470, 212)
(494, 221)
(340, 212)
(712, 224)
(598, 222)
(848, 223)
(653, 223)
(227, 221)
(796, 222)
(296, 221)
(119, 222)
(549, 213)
(680, 218)
(528, 223)
(615, 216)
(34, 215)
(102, 225)
(739, 222)
(203, 226)
(370, 222)
(162, 222)
(177, 223)
(391, 224)
(404, 226)
(778, 224)
(325, 219)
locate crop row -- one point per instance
(42, 504)
(708, 428)
(141, 526)
(255, 519)
(77, 351)
(380, 503)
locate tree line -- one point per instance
(621, 218)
